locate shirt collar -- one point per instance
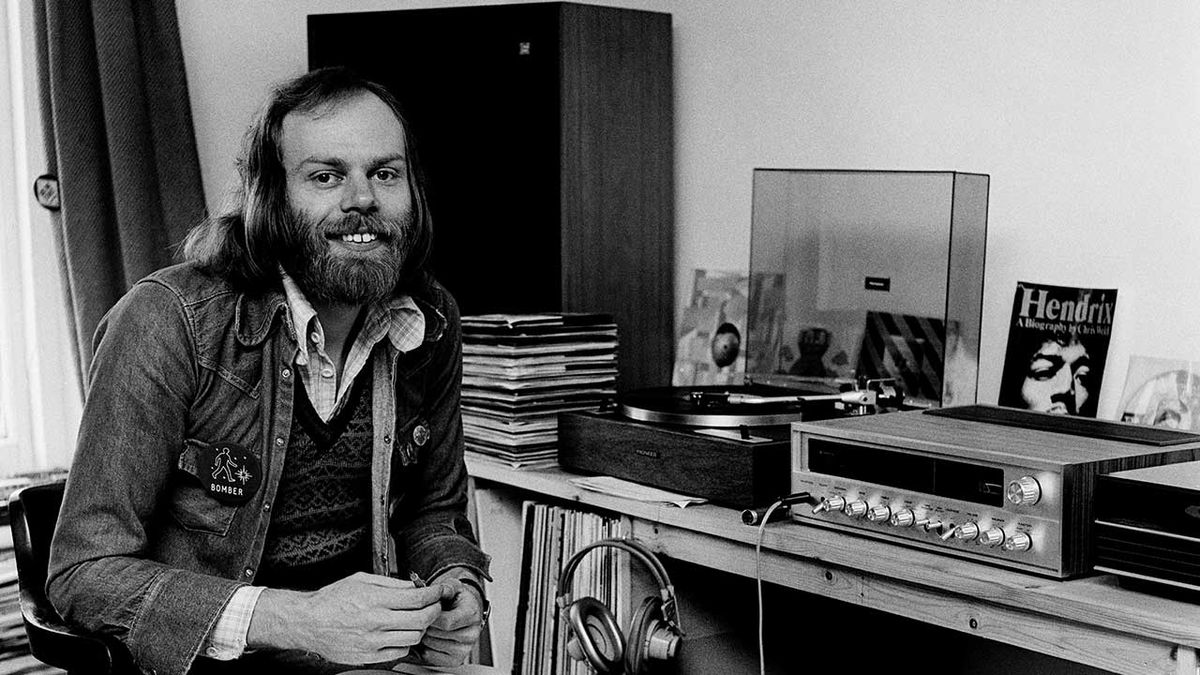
(299, 308)
(398, 317)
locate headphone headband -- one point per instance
(636, 549)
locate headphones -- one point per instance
(592, 631)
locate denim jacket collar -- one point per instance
(435, 318)
(256, 314)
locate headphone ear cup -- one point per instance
(594, 636)
(649, 638)
(640, 627)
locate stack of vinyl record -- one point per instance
(520, 371)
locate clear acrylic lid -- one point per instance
(867, 274)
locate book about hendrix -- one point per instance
(1057, 348)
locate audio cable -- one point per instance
(750, 517)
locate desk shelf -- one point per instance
(1092, 620)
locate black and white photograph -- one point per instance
(636, 337)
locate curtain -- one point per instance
(119, 138)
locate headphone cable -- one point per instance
(762, 527)
(762, 660)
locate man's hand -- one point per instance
(364, 618)
(451, 636)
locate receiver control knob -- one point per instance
(902, 518)
(834, 503)
(879, 514)
(1024, 490)
(931, 525)
(967, 531)
(992, 536)
(1020, 541)
(856, 509)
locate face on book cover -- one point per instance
(349, 198)
(1058, 378)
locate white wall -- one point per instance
(1085, 114)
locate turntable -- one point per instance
(727, 444)
(742, 406)
(864, 296)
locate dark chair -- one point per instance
(32, 512)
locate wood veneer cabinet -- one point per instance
(546, 133)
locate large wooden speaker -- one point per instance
(546, 133)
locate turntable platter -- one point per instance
(711, 406)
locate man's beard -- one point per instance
(353, 279)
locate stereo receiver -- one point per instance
(997, 485)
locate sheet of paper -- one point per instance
(629, 490)
(417, 669)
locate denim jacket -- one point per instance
(142, 552)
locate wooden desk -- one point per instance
(414, 669)
(1091, 620)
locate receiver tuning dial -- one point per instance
(902, 518)
(992, 536)
(1019, 541)
(879, 514)
(856, 509)
(834, 503)
(1024, 490)
(967, 531)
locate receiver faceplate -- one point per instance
(1009, 495)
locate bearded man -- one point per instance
(269, 471)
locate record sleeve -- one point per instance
(1162, 393)
(583, 348)
(536, 384)
(534, 322)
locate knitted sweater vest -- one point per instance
(320, 527)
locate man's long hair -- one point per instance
(247, 243)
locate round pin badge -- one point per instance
(420, 434)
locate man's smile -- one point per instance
(357, 241)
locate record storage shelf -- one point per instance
(1090, 620)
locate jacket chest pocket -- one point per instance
(192, 504)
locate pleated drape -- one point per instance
(119, 137)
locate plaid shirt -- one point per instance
(398, 319)
(227, 641)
